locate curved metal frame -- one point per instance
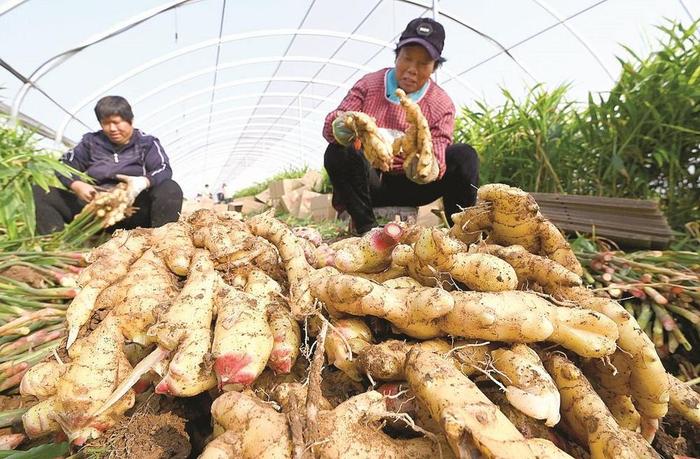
(202, 45)
(256, 117)
(273, 152)
(230, 128)
(192, 121)
(256, 60)
(250, 144)
(241, 129)
(214, 42)
(576, 35)
(293, 150)
(57, 60)
(10, 5)
(293, 95)
(240, 82)
(61, 57)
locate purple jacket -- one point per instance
(102, 160)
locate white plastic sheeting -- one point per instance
(237, 91)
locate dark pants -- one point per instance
(156, 205)
(358, 188)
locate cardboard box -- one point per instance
(312, 179)
(304, 209)
(425, 217)
(247, 205)
(289, 202)
(321, 209)
(264, 196)
(279, 188)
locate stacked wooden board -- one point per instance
(634, 223)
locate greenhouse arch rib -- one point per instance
(221, 133)
(229, 38)
(10, 5)
(236, 109)
(577, 36)
(293, 95)
(245, 149)
(205, 44)
(60, 58)
(239, 82)
(234, 64)
(243, 118)
(228, 128)
(249, 143)
(458, 20)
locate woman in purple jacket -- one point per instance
(116, 153)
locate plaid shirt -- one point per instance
(368, 95)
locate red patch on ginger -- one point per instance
(280, 360)
(230, 368)
(163, 388)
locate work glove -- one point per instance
(134, 185)
(342, 134)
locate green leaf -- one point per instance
(48, 451)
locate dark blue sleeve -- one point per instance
(78, 158)
(157, 164)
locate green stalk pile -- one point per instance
(35, 290)
(660, 288)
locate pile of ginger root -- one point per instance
(387, 345)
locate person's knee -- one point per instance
(40, 194)
(463, 156)
(168, 189)
(334, 158)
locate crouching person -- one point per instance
(357, 186)
(117, 153)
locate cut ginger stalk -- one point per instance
(465, 414)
